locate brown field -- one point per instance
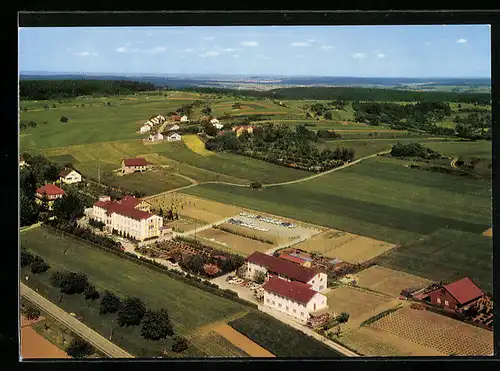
(246, 232)
(375, 343)
(231, 242)
(345, 246)
(248, 346)
(438, 332)
(183, 225)
(196, 208)
(215, 345)
(34, 345)
(360, 304)
(488, 232)
(389, 281)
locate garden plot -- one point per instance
(432, 330)
(234, 243)
(345, 246)
(389, 281)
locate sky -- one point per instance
(354, 51)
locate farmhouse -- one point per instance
(455, 295)
(286, 270)
(174, 138)
(241, 129)
(70, 176)
(214, 121)
(295, 299)
(175, 118)
(150, 123)
(175, 127)
(22, 163)
(217, 125)
(184, 118)
(131, 165)
(144, 129)
(156, 137)
(125, 219)
(51, 191)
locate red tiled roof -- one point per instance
(293, 259)
(282, 267)
(139, 161)
(296, 291)
(129, 201)
(121, 209)
(464, 290)
(175, 117)
(50, 190)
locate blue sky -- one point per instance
(360, 51)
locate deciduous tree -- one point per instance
(156, 325)
(131, 312)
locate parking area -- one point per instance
(246, 290)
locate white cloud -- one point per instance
(249, 43)
(327, 47)
(210, 53)
(229, 50)
(122, 49)
(380, 55)
(83, 54)
(208, 38)
(189, 50)
(158, 49)
(299, 44)
(428, 43)
(359, 55)
(461, 41)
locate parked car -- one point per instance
(229, 278)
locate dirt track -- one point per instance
(33, 345)
(241, 341)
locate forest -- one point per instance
(55, 89)
(282, 145)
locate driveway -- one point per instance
(243, 292)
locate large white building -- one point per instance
(293, 298)
(126, 218)
(290, 288)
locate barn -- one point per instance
(456, 294)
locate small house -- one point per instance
(131, 165)
(184, 118)
(174, 138)
(214, 121)
(70, 176)
(51, 192)
(175, 127)
(144, 129)
(175, 118)
(156, 137)
(456, 294)
(241, 129)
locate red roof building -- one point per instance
(124, 210)
(456, 294)
(129, 201)
(292, 259)
(51, 190)
(296, 291)
(282, 267)
(175, 118)
(135, 162)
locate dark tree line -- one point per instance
(413, 150)
(282, 145)
(56, 89)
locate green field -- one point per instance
(189, 307)
(447, 255)
(481, 149)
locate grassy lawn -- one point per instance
(189, 307)
(280, 339)
(95, 122)
(446, 255)
(482, 149)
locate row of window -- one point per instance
(446, 303)
(286, 307)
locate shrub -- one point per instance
(38, 265)
(31, 312)
(26, 258)
(79, 348)
(131, 312)
(180, 344)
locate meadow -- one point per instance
(189, 308)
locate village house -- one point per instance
(51, 191)
(22, 163)
(456, 294)
(293, 298)
(184, 118)
(175, 127)
(125, 219)
(241, 129)
(156, 137)
(175, 118)
(131, 165)
(70, 176)
(144, 129)
(286, 270)
(174, 138)
(150, 123)
(214, 121)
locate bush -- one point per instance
(180, 344)
(131, 312)
(256, 185)
(31, 312)
(38, 265)
(156, 325)
(26, 258)
(79, 348)
(91, 293)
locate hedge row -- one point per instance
(180, 276)
(378, 316)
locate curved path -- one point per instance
(452, 163)
(98, 341)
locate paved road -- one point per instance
(98, 341)
(27, 228)
(306, 330)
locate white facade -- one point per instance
(214, 121)
(144, 129)
(139, 229)
(72, 177)
(174, 138)
(293, 308)
(184, 119)
(218, 126)
(155, 138)
(175, 127)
